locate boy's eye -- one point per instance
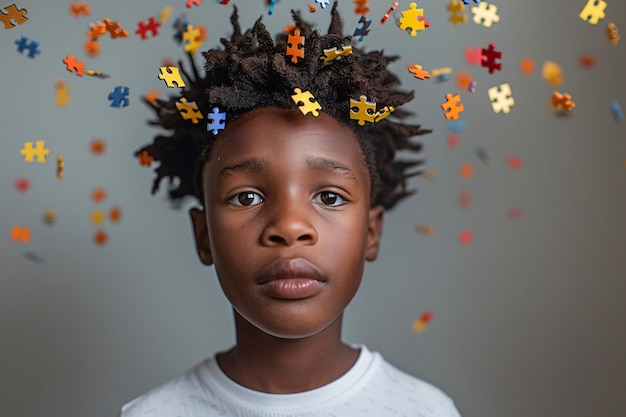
(328, 198)
(246, 198)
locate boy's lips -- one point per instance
(290, 268)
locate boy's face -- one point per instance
(288, 223)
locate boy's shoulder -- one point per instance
(372, 387)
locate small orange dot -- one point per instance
(98, 195)
(152, 96)
(100, 238)
(463, 79)
(115, 214)
(527, 66)
(92, 47)
(467, 170)
(97, 146)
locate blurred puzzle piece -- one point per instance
(39, 151)
(11, 16)
(20, 234)
(189, 110)
(593, 11)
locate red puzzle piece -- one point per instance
(489, 57)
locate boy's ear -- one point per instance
(374, 231)
(201, 234)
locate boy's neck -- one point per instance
(262, 362)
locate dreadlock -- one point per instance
(252, 71)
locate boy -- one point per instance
(293, 206)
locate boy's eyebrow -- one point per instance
(319, 163)
(314, 163)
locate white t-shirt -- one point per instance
(372, 387)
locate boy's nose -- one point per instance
(289, 224)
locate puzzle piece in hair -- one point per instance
(189, 110)
(172, 77)
(217, 121)
(365, 111)
(306, 102)
(295, 47)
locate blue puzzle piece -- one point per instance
(217, 121)
(272, 5)
(363, 30)
(119, 96)
(180, 27)
(22, 44)
(467, 1)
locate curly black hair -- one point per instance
(253, 71)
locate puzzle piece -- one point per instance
(74, 65)
(151, 26)
(452, 107)
(62, 97)
(593, 11)
(391, 10)
(489, 57)
(78, 9)
(457, 12)
(39, 151)
(189, 111)
(191, 3)
(562, 101)
(467, 1)
(60, 166)
(217, 121)
(22, 44)
(191, 37)
(485, 14)
(119, 96)
(323, 3)
(295, 47)
(411, 19)
(364, 30)
(383, 113)
(309, 104)
(361, 7)
(334, 53)
(272, 6)
(474, 56)
(612, 32)
(366, 110)
(172, 77)
(618, 114)
(115, 29)
(11, 14)
(501, 98)
(552, 73)
(418, 72)
(20, 234)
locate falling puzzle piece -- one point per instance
(418, 72)
(119, 96)
(562, 101)
(411, 19)
(552, 73)
(80, 9)
(383, 113)
(295, 47)
(457, 12)
(11, 16)
(217, 121)
(152, 26)
(172, 77)
(364, 30)
(391, 10)
(366, 110)
(39, 151)
(612, 33)
(323, 3)
(306, 102)
(485, 14)
(331, 54)
(593, 11)
(618, 114)
(361, 7)
(74, 65)
(60, 166)
(32, 47)
(190, 3)
(62, 96)
(20, 234)
(115, 29)
(191, 37)
(501, 98)
(452, 107)
(489, 57)
(189, 111)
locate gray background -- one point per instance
(529, 319)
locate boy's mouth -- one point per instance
(291, 279)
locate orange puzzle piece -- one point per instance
(296, 46)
